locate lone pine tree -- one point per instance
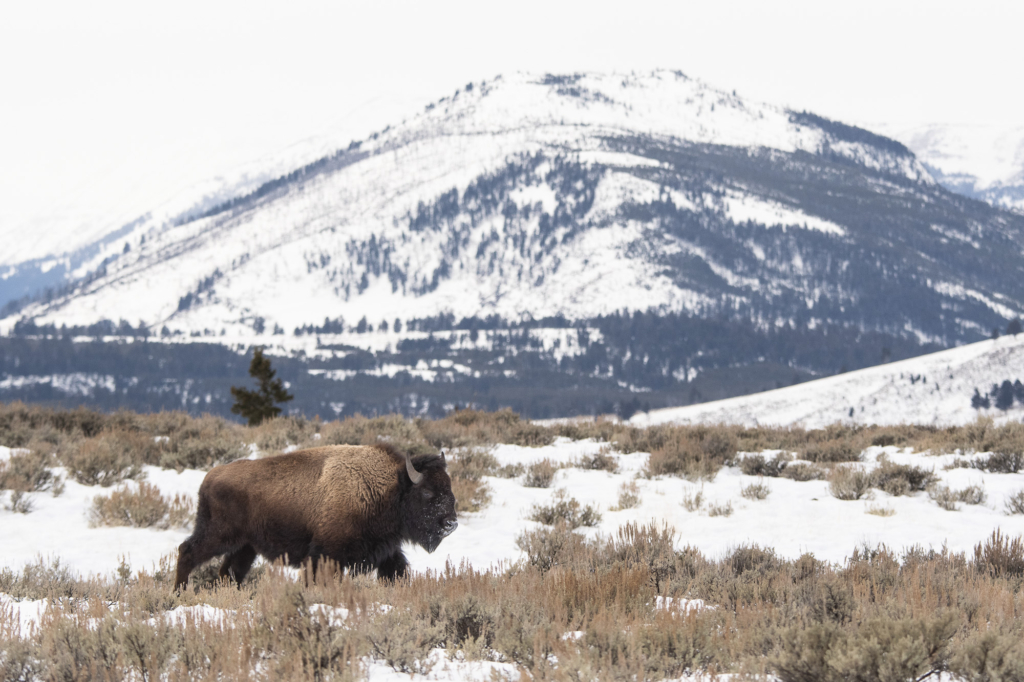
(256, 406)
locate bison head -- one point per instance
(429, 503)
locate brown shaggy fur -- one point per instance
(352, 504)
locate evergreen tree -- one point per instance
(1014, 327)
(1018, 391)
(978, 401)
(257, 406)
(1004, 399)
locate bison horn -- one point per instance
(415, 476)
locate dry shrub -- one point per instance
(999, 463)
(278, 433)
(944, 497)
(683, 455)
(403, 639)
(602, 460)
(19, 503)
(28, 471)
(471, 463)
(912, 648)
(204, 443)
(467, 467)
(901, 479)
(142, 508)
(402, 433)
(878, 510)
(1015, 503)
(990, 657)
(947, 498)
(875, 617)
(566, 510)
(629, 496)
(303, 638)
(42, 580)
(1000, 556)
(540, 474)
(756, 491)
(109, 458)
(980, 436)
(510, 471)
(802, 471)
(474, 427)
(20, 423)
(470, 495)
(553, 546)
(849, 483)
(832, 451)
(747, 558)
(759, 465)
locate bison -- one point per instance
(352, 504)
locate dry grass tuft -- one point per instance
(720, 509)
(878, 510)
(692, 500)
(141, 508)
(629, 496)
(756, 491)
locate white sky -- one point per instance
(111, 105)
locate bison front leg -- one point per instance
(237, 564)
(393, 567)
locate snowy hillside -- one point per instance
(984, 162)
(932, 389)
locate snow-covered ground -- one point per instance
(930, 389)
(797, 517)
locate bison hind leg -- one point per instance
(393, 567)
(237, 564)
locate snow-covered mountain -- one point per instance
(934, 389)
(573, 195)
(645, 231)
(981, 161)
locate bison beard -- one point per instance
(353, 505)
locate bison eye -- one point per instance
(427, 495)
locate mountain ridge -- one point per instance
(597, 204)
